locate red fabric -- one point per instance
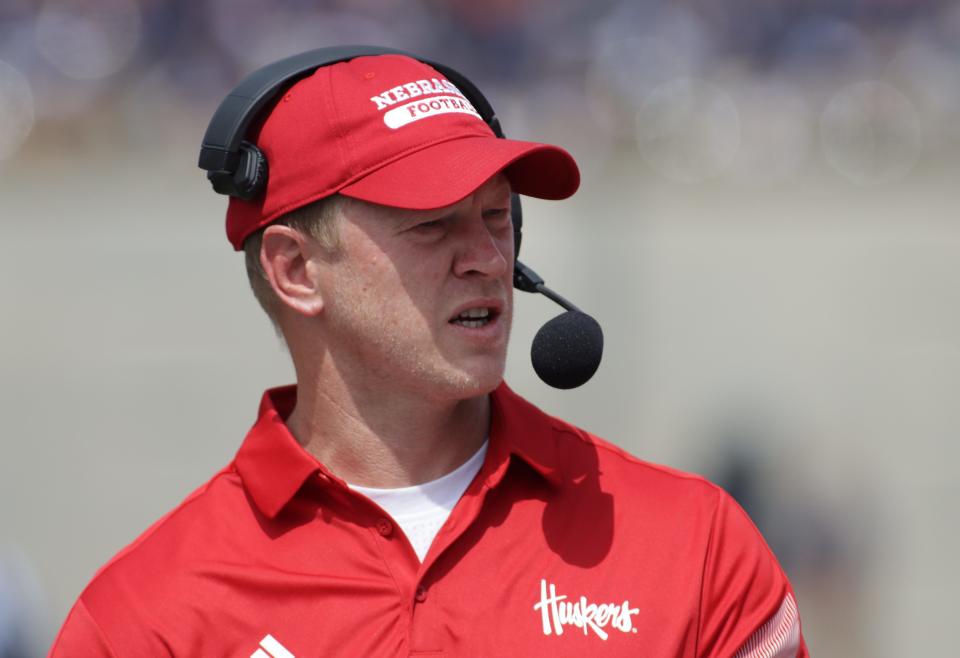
(80, 636)
(375, 127)
(662, 563)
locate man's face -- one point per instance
(423, 300)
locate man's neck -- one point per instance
(387, 440)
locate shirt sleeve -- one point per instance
(747, 606)
(80, 636)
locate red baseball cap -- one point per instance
(389, 130)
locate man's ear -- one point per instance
(285, 255)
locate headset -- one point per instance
(236, 167)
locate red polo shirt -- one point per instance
(562, 545)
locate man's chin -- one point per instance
(466, 383)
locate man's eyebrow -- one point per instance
(501, 183)
(407, 218)
(502, 188)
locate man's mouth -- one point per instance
(474, 318)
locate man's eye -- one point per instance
(428, 226)
(496, 213)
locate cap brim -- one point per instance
(443, 174)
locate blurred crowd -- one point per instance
(604, 60)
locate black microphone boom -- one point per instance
(567, 350)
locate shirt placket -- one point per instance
(420, 592)
(426, 638)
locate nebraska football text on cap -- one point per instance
(421, 109)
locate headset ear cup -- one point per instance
(516, 215)
(250, 178)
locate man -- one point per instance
(400, 500)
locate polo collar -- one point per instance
(271, 463)
(519, 429)
(274, 466)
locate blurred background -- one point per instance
(763, 230)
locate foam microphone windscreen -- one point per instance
(567, 350)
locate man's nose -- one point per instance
(480, 251)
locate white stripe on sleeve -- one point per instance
(778, 638)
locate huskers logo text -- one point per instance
(557, 611)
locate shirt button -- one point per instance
(421, 594)
(384, 527)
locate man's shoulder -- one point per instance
(578, 454)
(619, 466)
(172, 573)
(172, 546)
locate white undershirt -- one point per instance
(422, 510)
